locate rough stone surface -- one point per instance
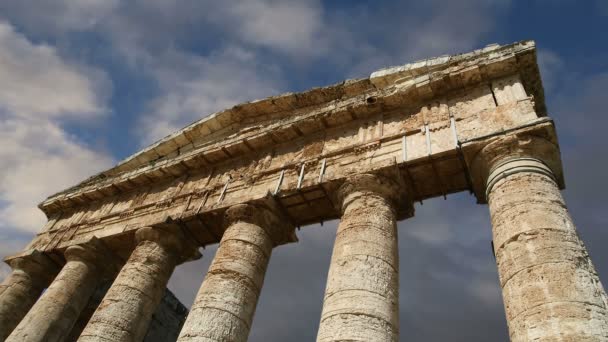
(165, 325)
(20, 290)
(551, 290)
(302, 146)
(87, 312)
(426, 129)
(225, 304)
(536, 142)
(54, 314)
(126, 310)
(362, 295)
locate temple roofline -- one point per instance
(387, 78)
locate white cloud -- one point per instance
(233, 69)
(293, 26)
(37, 82)
(39, 159)
(432, 233)
(80, 14)
(38, 156)
(59, 16)
(193, 87)
(450, 27)
(147, 36)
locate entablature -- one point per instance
(238, 132)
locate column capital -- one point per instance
(387, 187)
(97, 254)
(494, 158)
(266, 215)
(36, 264)
(171, 237)
(515, 165)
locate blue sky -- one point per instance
(84, 84)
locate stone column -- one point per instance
(32, 273)
(128, 306)
(361, 300)
(225, 304)
(550, 288)
(89, 309)
(54, 314)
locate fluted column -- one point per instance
(225, 304)
(128, 306)
(32, 273)
(361, 300)
(54, 314)
(550, 288)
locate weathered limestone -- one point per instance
(128, 306)
(32, 273)
(54, 314)
(551, 290)
(164, 326)
(412, 117)
(225, 304)
(475, 121)
(88, 310)
(361, 300)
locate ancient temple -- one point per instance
(361, 151)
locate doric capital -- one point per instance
(36, 264)
(371, 185)
(512, 153)
(265, 215)
(97, 254)
(172, 238)
(515, 165)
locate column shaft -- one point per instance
(53, 315)
(550, 288)
(128, 306)
(21, 291)
(88, 311)
(32, 273)
(225, 304)
(361, 298)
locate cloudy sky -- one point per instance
(85, 83)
